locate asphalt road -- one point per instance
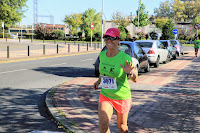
(23, 86)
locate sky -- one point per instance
(60, 8)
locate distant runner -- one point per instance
(196, 45)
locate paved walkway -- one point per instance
(164, 100)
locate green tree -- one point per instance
(160, 22)
(74, 21)
(143, 17)
(11, 11)
(189, 10)
(177, 10)
(88, 17)
(120, 20)
(41, 32)
(165, 10)
(167, 30)
(58, 34)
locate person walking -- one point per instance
(115, 66)
(196, 45)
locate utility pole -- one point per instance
(139, 12)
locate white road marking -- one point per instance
(58, 64)
(14, 71)
(86, 59)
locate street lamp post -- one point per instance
(102, 27)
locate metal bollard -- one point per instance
(78, 47)
(94, 46)
(68, 48)
(8, 54)
(87, 46)
(43, 49)
(57, 48)
(28, 51)
(65, 40)
(54, 41)
(43, 40)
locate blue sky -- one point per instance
(60, 8)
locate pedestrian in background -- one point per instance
(115, 93)
(196, 45)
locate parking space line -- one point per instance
(87, 59)
(13, 71)
(58, 64)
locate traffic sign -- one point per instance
(92, 26)
(197, 26)
(175, 31)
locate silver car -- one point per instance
(155, 51)
(178, 46)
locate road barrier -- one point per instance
(27, 48)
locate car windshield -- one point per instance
(164, 43)
(122, 47)
(125, 48)
(145, 44)
(173, 42)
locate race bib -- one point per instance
(108, 82)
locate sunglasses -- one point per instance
(106, 38)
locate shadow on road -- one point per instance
(188, 77)
(21, 111)
(67, 71)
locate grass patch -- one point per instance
(188, 45)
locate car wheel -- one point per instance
(96, 73)
(178, 54)
(157, 62)
(175, 56)
(167, 59)
(147, 69)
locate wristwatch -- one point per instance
(130, 73)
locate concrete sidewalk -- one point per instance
(164, 100)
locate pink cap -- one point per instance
(113, 32)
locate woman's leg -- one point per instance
(122, 122)
(105, 111)
(196, 51)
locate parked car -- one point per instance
(170, 48)
(155, 51)
(139, 58)
(12, 36)
(178, 46)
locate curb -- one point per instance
(62, 120)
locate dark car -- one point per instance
(139, 58)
